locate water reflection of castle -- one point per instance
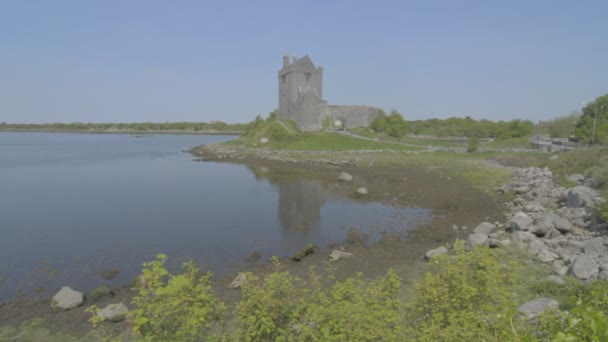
(300, 200)
(300, 204)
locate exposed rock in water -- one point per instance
(240, 279)
(536, 307)
(337, 254)
(309, 249)
(114, 312)
(345, 177)
(67, 299)
(362, 191)
(434, 252)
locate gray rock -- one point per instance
(536, 246)
(555, 279)
(560, 268)
(434, 252)
(535, 207)
(554, 157)
(114, 312)
(585, 268)
(595, 248)
(536, 307)
(484, 228)
(345, 177)
(603, 275)
(580, 196)
(521, 237)
(264, 140)
(477, 240)
(241, 278)
(560, 223)
(362, 191)
(337, 254)
(545, 255)
(521, 221)
(576, 178)
(67, 299)
(544, 226)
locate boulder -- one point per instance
(535, 207)
(521, 221)
(264, 140)
(362, 191)
(595, 248)
(67, 299)
(576, 178)
(556, 280)
(433, 252)
(585, 268)
(544, 226)
(554, 157)
(484, 228)
(536, 246)
(240, 279)
(536, 307)
(337, 254)
(114, 312)
(345, 177)
(522, 237)
(561, 224)
(580, 196)
(560, 268)
(545, 255)
(477, 240)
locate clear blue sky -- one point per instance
(126, 60)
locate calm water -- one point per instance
(73, 205)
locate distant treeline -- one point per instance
(216, 126)
(468, 127)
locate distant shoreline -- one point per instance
(119, 131)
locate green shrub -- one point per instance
(473, 144)
(467, 296)
(393, 124)
(179, 307)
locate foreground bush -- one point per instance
(466, 296)
(178, 307)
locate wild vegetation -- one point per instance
(466, 295)
(216, 126)
(596, 111)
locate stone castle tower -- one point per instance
(301, 100)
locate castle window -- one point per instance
(308, 76)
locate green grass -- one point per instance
(521, 142)
(338, 142)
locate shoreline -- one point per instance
(130, 132)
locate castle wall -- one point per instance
(353, 116)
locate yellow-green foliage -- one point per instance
(278, 133)
(465, 297)
(281, 307)
(179, 307)
(587, 321)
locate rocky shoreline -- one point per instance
(555, 225)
